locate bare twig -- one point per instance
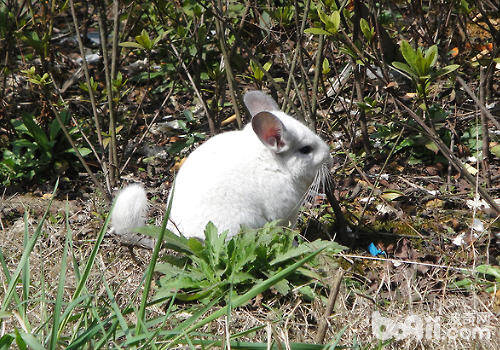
(334, 291)
(219, 25)
(298, 47)
(460, 269)
(457, 163)
(87, 75)
(211, 124)
(149, 127)
(77, 152)
(104, 46)
(317, 75)
(484, 127)
(479, 104)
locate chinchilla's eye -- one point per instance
(306, 149)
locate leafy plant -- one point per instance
(210, 269)
(143, 41)
(329, 23)
(257, 73)
(420, 148)
(34, 151)
(489, 280)
(420, 66)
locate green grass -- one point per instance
(84, 320)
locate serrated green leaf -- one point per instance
(307, 292)
(283, 287)
(292, 253)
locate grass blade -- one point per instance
(26, 253)
(151, 267)
(60, 287)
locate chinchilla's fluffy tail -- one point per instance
(130, 212)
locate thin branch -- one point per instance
(457, 163)
(298, 47)
(149, 127)
(479, 104)
(210, 120)
(219, 25)
(104, 45)
(75, 148)
(334, 292)
(484, 127)
(87, 75)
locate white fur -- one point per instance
(130, 209)
(234, 179)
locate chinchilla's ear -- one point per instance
(257, 101)
(270, 131)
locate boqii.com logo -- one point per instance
(462, 326)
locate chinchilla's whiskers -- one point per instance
(327, 179)
(321, 178)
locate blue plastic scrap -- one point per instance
(374, 251)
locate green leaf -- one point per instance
(430, 145)
(5, 341)
(316, 31)
(131, 44)
(242, 299)
(195, 246)
(495, 150)
(335, 22)
(144, 40)
(283, 287)
(365, 28)
(445, 70)
(307, 292)
(326, 66)
(431, 56)
(267, 65)
(489, 270)
(37, 132)
(406, 70)
(292, 253)
(323, 17)
(409, 54)
(84, 151)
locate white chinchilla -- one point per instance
(241, 178)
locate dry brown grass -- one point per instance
(396, 292)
